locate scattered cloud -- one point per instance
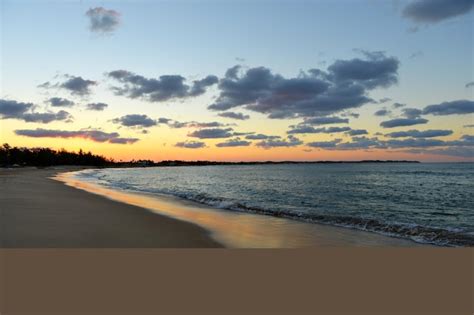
(313, 93)
(412, 112)
(416, 54)
(325, 120)
(324, 144)
(459, 107)
(260, 137)
(10, 109)
(274, 143)
(301, 129)
(237, 142)
(60, 102)
(190, 144)
(166, 87)
(469, 84)
(234, 115)
(96, 106)
(357, 132)
(384, 100)
(89, 134)
(135, 120)
(382, 112)
(103, 20)
(75, 85)
(402, 122)
(212, 133)
(420, 134)
(434, 11)
(398, 105)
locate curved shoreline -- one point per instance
(240, 229)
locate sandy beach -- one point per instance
(41, 212)
(38, 212)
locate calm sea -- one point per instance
(428, 203)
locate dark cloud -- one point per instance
(78, 85)
(324, 144)
(234, 115)
(382, 112)
(212, 133)
(10, 109)
(357, 132)
(190, 144)
(384, 100)
(360, 143)
(412, 112)
(300, 129)
(60, 102)
(459, 107)
(103, 20)
(135, 120)
(96, 106)
(433, 11)
(237, 142)
(313, 93)
(326, 120)
(13, 109)
(260, 137)
(93, 135)
(469, 84)
(466, 152)
(46, 118)
(398, 105)
(402, 122)
(199, 86)
(420, 134)
(166, 87)
(273, 143)
(415, 143)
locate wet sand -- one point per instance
(39, 212)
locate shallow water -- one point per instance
(427, 203)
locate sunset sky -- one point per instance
(240, 80)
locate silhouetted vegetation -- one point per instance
(14, 156)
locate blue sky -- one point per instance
(41, 39)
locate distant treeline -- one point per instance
(15, 156)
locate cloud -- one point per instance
(357, 132)
(398, 105)
(60, 102)
(416, 143)
(89, 134)
(103, 20)
(434, 11)
(308, 129)
(260, 137)
(360, 143)
(466, 152)
(459, 107)
(313, 93)
(420, 134)
(468, 126)
(166, 87)
(75, 85)
(190, 144)
(212, 133)
(382, 112)
(274, 143)
(13, 109)
(402, 122)
(10, 109)
(324, 144)
(384, 100)
(411, 112)
(326, 120)
(237, 142)
(135, 120)
(416, 54)
(469, 84)
(96, 106)
(234, 115)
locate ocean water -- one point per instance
(427, 203)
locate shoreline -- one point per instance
(40, 212)
(239, 229)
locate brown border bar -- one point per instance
(222, 281)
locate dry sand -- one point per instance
(38, 212)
